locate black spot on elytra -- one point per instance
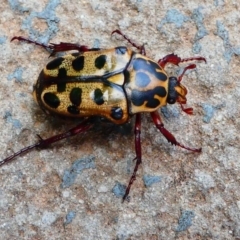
(51, 100)
(139, 97)
(116, 113)
(62, 72)
(120, 50)
(100, 61)
(54, 63)
(61, 87)
(78, 63)
(149, 66)
(76, 96)
(153, 103)
(98, 96)
(142, 79)
(73, 110)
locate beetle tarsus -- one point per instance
(194, 58)
(23, 150)
(27, 40)
(132, 179)
(187, 110)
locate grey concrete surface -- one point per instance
(73, 189)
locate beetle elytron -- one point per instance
(115, 83)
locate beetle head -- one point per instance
(176, 91)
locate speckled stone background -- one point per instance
(72, 190)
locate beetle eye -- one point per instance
(171, 100)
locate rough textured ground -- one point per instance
(72, 190)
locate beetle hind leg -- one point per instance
(175, 60)
(27, 40)
(42, 143)
(53, 47)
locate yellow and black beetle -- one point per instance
(115, 83)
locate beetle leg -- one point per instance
(191, 66)
(175, 60)
(61, 47)
(160, 126)
(64, 46)
(138, 151)
(80, 128)
(140, 48)
(170, 58)
(186, 110)
(194, 58)
(27, 40)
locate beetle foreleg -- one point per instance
(191, 66)
(160, 126)
(175, 60)
(81, 127)
(194, 58)
(187, 110)
(170, 58)
(138, 151)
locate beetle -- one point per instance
(115, 84)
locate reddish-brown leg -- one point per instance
(191, 66)
(186, 110)
(160, 126)
(194, 59)
(138, 151)
(175, 60)
(80, 128)
(140, 48)
(62, 46)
